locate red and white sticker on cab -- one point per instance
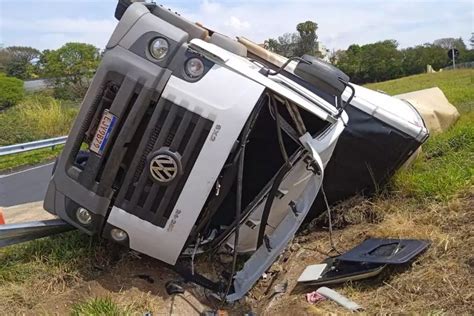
(102, 135)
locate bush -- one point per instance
(38, 116)
(70, 91)
(11, 91)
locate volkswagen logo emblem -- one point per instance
(164, 166)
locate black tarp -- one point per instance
(367, 154)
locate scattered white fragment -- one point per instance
(312, 272)
(338, 298)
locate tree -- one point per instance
(70, 68)
(372, 62)
(297, 43)
(350, 62)
(17, 61)
(449, 42)
(4, 60)
(336, 56)
(307, 38)
(465, 55)
(415, 59)
(23, 52)
(285, 45)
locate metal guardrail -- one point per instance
(461, 65)
(38, 144)
(11, 234)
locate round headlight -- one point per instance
(118, 234)
(194, 68)
(83, 216)
(159, 48)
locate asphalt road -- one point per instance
(24, 186)
(35, 85)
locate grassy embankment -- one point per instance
(37, 116)
(446, 165)
(434, 200)
(431, 200)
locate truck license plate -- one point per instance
(103, 132)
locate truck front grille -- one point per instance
(183, 132)
(146, 123)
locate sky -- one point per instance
(48, 24)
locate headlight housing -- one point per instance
(159, 48)
(83, 216)
(194, 67)
(118, 234)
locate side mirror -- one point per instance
(322, 75)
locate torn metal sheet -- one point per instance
(338, 272)
(262, 259)
(385, 251)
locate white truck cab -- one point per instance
(185, 144)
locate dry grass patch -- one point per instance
(33, 271)
(439, 281)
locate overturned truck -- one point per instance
(184, 144)
(190, 142)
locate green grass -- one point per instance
(42, 258)
(98, 306)
(29, 158)
(457, 85)
(38, 116)
(446, 166)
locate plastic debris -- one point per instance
(173, 287)
(280, 288)
(2, 218)
(314, 297)
(339, 298)
(312, 272)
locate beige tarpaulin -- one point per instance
(434, 107)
